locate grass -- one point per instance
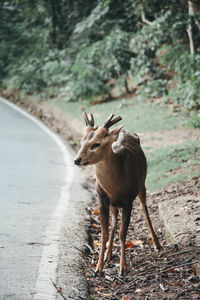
(167, 165)
(173, 164)
(137, 116)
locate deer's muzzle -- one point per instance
(77, 161)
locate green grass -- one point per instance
(137, 116)
(167, 165)
(173, 164)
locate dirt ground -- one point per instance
(159, 139)
(172, 273)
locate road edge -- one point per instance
(46, 284)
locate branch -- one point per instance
(189, 29)
(191, 42)
(193, 10)
(144, 20)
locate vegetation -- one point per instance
(83, 49)
(170, 159)
(173, 164)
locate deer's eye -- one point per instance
(96, 145)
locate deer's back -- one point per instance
(124, 174)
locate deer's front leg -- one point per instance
(104, 218)
(126, 214)
(114, 214)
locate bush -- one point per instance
(96, 64)
(187, 74)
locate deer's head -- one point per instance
(97, 141)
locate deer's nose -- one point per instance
(77, 161)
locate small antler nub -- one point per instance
(109, 122)
(88, 121)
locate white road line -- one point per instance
(49, 259)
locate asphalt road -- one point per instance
(33, 187)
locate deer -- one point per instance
(121, 170)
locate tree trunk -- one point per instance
(144, 19)
(193, 10)
(53, 22)
(189, 29)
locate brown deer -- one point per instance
(121, 169)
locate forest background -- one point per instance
(103, 49)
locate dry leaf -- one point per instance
(129, 245)
(171, 283)
(96, 243)
(179, 283)
(137, 243)
(96, 211)
(170, 271)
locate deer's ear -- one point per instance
(115, 132)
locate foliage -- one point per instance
(195, 121)
(173, 164)
(187, 70)
(80, 47)
(96, 64)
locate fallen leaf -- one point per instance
(96, 211)
(179, 283)
(138, 243)
(96, 243)
(59, 290)
(126, 298)
(170, 271)
(171, 283)
(129, 245)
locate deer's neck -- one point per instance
(108, 173)
(108, 163)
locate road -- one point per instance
(35, 179)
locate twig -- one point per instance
(183, 293)
(178, 266)
(83, 252)
(91, 269)
(181, 252)
(188, 262)
(119, 279)
(59, 290)
(88, 246)
(144, 19)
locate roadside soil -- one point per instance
(173, 273)
(161, 139)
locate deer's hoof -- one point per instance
(122, 272)
(157, 247)
(98, 273)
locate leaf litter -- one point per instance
(172, 273)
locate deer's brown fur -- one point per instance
(120, 172)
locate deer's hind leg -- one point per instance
(113, 223)
(126, 214)
(142, 197)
